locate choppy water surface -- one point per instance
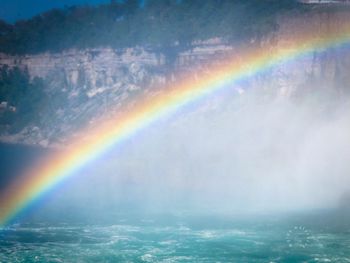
(199, 240)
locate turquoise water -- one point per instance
(180, 239)
(78, 236)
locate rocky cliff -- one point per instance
(329, 69)
(88, 82)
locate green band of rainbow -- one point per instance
(111, 132)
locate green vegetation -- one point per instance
(25, 98)
(158, 24)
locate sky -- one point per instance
(12, 10)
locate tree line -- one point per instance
(150, 23)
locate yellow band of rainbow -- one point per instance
(42, 178)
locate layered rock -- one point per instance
(93, 81)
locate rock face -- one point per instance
(326, 70)
(90, 81)
(101, 68)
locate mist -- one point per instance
(232, 153)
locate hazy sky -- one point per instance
(12, 10)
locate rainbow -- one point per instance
(113, 131)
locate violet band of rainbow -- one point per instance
(44, 177)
